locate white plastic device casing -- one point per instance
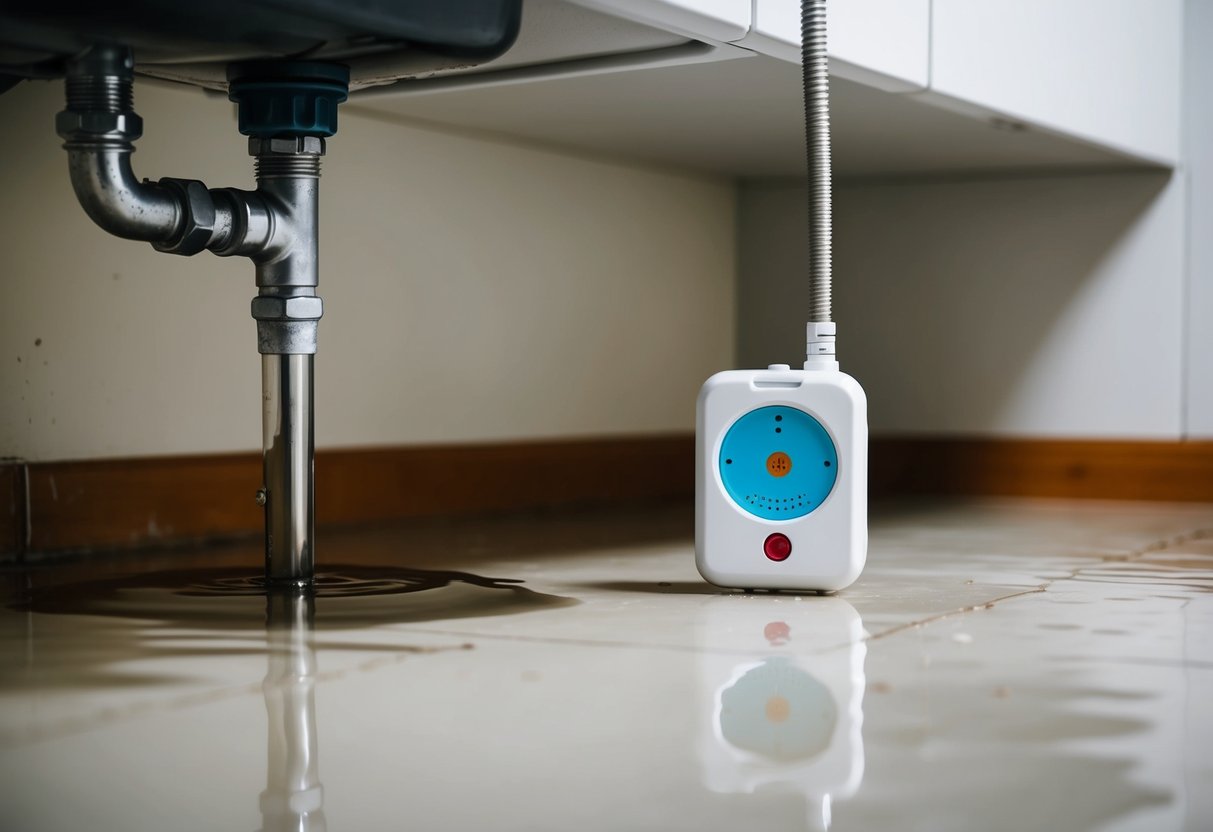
(830, 543)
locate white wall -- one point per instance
(473, 289)
(1028, 307)
(1198, 153)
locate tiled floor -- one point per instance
(1000, 665)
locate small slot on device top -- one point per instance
(780, 384)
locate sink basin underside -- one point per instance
(381, 41)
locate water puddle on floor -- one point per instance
(183, 628)
(355, 596)
(169, 629)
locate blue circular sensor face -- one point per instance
(778, 463)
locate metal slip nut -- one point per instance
(286, 146)
(82, 125)
(199, 217)
(300, 308)
(287, 337)
(250, 222)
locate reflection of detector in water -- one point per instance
(788, 715)
(777, 711)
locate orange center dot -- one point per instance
(779, 464)
(778, 709)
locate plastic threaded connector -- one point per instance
(288, 98)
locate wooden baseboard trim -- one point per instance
(13, 505)
(1180, 471)
(122, 503)
(105, 504)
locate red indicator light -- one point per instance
(777, 546)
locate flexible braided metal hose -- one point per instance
(816, 72)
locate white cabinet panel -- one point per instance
(882, 43)
(713, 20)
(1104, 70)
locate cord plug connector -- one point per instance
(819, 346)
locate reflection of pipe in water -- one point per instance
(293, 798)
(789, 713)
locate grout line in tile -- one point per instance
(1133, 555)
(931, 619)
(627, 645)
(1166, 664)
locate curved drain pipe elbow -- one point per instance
(99, 127)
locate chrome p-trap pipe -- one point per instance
(287, 108)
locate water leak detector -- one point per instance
(781, 454)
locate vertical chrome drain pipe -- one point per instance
(289, 446)
(288, 313)
(287, 109)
